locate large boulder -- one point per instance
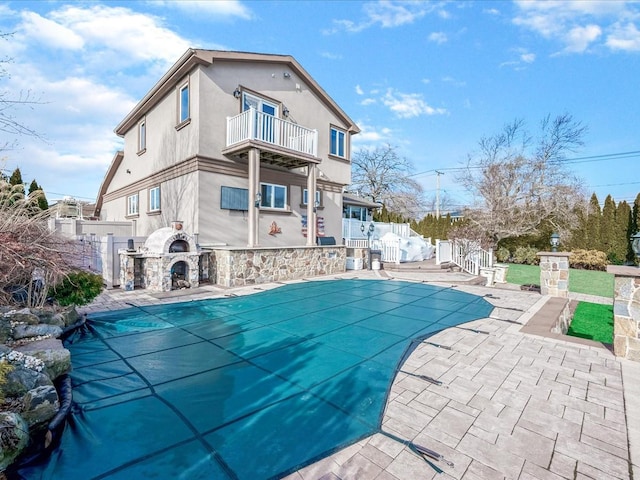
(40, 330)
(56, 358)
(22, 316)
(40, 405)
(22, 379)
(14, 436)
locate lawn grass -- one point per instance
(580, 281)
(593, 321)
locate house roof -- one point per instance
(350, 199)
(115, 163)
(193, 57)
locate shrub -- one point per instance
(78, 288)
(526, 256)
(588, 260)
(503, 254)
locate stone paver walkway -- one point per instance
(511, 405)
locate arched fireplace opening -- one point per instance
(180, 275)
(179, 246)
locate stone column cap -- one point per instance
(623, 270)
(553, 254)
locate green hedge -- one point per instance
(78, 288)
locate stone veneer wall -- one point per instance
(234, 267)
(554, 273)
(626, 312)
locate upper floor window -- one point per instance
(183, 115)
(154, 199)
(273, 196)
(142, 136)
(338, 141)
(305, 196)
(132, 204)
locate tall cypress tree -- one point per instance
(34, 188)
(608, 226)
(621, 237)
(594, 241)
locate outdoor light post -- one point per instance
(555, 241)
(369, 233)
(635, 246)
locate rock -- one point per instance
(69, 315)
(40, 405)
(21, 379)
(22, 316)
(39, 330)
(56, 358)
(14, 437)
(5, 329)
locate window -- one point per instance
(338, 143)
(358, 213)
(273, 196)
(232, 198)
(184, 103)
(142, 136)
(305, 196)
(132, 204)
(154, 199)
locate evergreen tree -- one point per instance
(35, 189)
(621, 237)
(594, 241)
(608, 226)
(16, 180)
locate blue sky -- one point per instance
(430, 78)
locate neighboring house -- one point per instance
(358, 208)
(69, 207)
(230, 143)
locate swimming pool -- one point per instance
(248, 387)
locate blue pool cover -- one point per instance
(251, 387)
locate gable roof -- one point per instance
(193, 57)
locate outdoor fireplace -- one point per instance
(169, 260)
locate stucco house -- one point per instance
(230, 144)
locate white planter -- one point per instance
(489, 274)
(354, 263)
(501, 272)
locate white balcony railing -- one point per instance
(254, 125)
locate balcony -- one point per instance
(281, 142)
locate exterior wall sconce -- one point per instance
(237, 92)
(285, 112)
(315, 206)
(286, 75)
(258, 199)
(635, 246)
(369, 233)
(555, 241)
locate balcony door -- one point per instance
(266, 124)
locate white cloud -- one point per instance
(368, 101)
(580, 26)
(579, 39)
(409, 105)
(331, 56)
(453, 81)
(219, 8)
(359, 90)
(370, 135)
(625, 38)
(438, 37)
(491, 11)
(528, 57)
(426, 81)
(50, 33)
(388, 14)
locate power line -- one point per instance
(570, 161)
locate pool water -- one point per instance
(251, 387)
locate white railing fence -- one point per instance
(254, 125)
(352, 228)
(470, 257)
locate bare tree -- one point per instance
(384, 176)
(32, 258)
(518, 182)
(10, 126)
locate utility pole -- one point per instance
(438, 193)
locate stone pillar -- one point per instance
(554, 273)
(626, 312)
(253, 215)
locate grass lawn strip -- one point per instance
(590, 282)
(593, 321)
